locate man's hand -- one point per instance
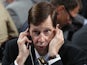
(23, 48)
(56, 42)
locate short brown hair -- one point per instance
(39, 12)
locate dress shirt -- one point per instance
(46, 57)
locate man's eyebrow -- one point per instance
(48, 29)
(35, 30)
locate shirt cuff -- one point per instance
(54, 60)
(15, 63)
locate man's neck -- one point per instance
(38, 55)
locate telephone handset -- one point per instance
(28, 44)
(29, 47)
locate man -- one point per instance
(43, 38)
(66, 11)
(80, 38)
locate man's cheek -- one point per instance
(35, 40)
(51, 36)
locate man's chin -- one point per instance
(42, 50)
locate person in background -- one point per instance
(43, 38)
(79, 38)
(67, 10)
(8, 29)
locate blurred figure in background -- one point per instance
(67, 10)
(8, 29)
(79, 38)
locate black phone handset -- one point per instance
(30, 50)
(28, 44)
(29, 37)
(29, 47)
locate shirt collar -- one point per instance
(37, 55)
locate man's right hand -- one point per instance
(56, 42)
(23, 48)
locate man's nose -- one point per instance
(41, 37)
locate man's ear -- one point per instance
(60, 9)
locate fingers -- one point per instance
(59, 34)
(58, 30)
(25, 33)
(24, 40)
(23, 37)
(57, 26)
(27, 30)
(23, 45)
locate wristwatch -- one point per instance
(53, 57)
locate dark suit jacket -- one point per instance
(80, 38)
(69, 55)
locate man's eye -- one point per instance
(47, 32)
(36, 33)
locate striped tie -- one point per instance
(42, 61)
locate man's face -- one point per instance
(42, 35)
(64, 17)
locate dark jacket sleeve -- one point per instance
(10, 53)
(59, 62)
(73, 55)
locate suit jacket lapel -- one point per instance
(29, 61)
